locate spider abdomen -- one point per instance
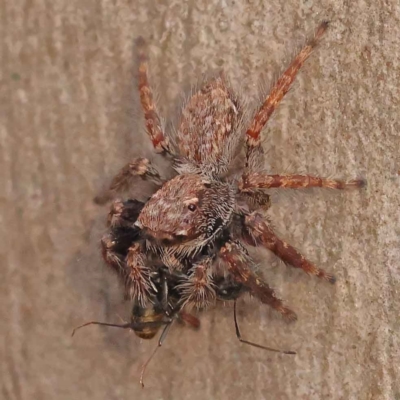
(208, 129)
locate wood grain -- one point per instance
(69, 120)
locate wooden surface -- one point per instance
(69, 119)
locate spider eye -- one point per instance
(192, 207)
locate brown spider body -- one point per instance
(198, 223)
(188, 211)
(208, 131)
(186, 245)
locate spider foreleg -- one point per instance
(127, 258)
(138, 168)
(138, 282)
(239, 265)
(114, 247)
(124, 213)
(257, 232)
(198, 288)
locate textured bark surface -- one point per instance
(69, 119)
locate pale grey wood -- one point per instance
(69, 120)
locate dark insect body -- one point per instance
(162, 310)
(194, 230)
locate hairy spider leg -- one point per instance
(139, 168)
(127, 258)
(260, 180)
(282, 86)
(238, 264)
(198, 288)
(153, 122)
(138, 280)
(124, 213)
(256, 232)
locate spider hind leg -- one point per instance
(239, 265)
(278, 91)
(257, 232)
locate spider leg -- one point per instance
(256, 232)
(138, 282)
(277, 93)
(260, 180)
(181, 314)
(254, 198)
(124, 213)
(127, 258)
(140, 167)
(239, 265)
(198, 288)
(114, 251)
(152, 119)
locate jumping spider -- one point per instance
(198, 223)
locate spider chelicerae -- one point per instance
(192, 233)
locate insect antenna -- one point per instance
(123, 326)
(134, 325)
(239, 336)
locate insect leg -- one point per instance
(239, 336)
(190, 319)
(160, 342)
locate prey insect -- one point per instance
(163, 310)
(166, 303)
(199, 223)
(146, 321)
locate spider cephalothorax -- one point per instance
(198, 223)
(187, 212)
